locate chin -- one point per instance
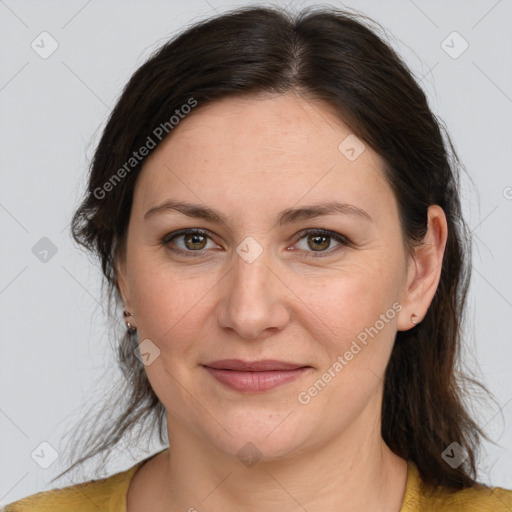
(258, 440)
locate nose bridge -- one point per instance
(253, 300)
(251, 278)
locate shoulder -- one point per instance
(107, 494)
(422, 498)
(475, 499)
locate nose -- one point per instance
(253, 301)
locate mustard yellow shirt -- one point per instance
(109, 495)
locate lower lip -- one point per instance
(255, 382)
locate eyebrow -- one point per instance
(287, 216)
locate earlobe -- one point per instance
(119, 271)
(425, 270)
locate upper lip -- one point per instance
(253, 366)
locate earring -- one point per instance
(414, 319)
(131, 328)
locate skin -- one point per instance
(250, 158)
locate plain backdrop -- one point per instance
(55, 344)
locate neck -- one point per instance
(354, 471)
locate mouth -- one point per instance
(255, 376)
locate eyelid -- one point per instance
(342, 240)
(338, 237)
(167, 239)
(186, 231)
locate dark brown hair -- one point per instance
(334, 56)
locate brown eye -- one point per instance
(194, 241)
(319, 242)
(189, 242)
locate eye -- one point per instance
(188, 241)
(319, 240)
(316, 242)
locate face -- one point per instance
(267, 274)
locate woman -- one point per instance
(277, 217)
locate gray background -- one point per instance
(56, 357)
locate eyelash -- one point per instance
(341, 239)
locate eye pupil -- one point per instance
(321, 242)
(196, 239)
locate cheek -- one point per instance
(353, 319)
(173, 305)
(161, 298)
(344, 304)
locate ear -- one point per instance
(120, 273)
(424, 270)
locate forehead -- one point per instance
(265, 150)
(266, 126)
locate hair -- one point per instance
(336, 57)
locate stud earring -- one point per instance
(130, 328)
(414, 319)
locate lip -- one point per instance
(255, 376)
(253, 366)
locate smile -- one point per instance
(255, 381)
